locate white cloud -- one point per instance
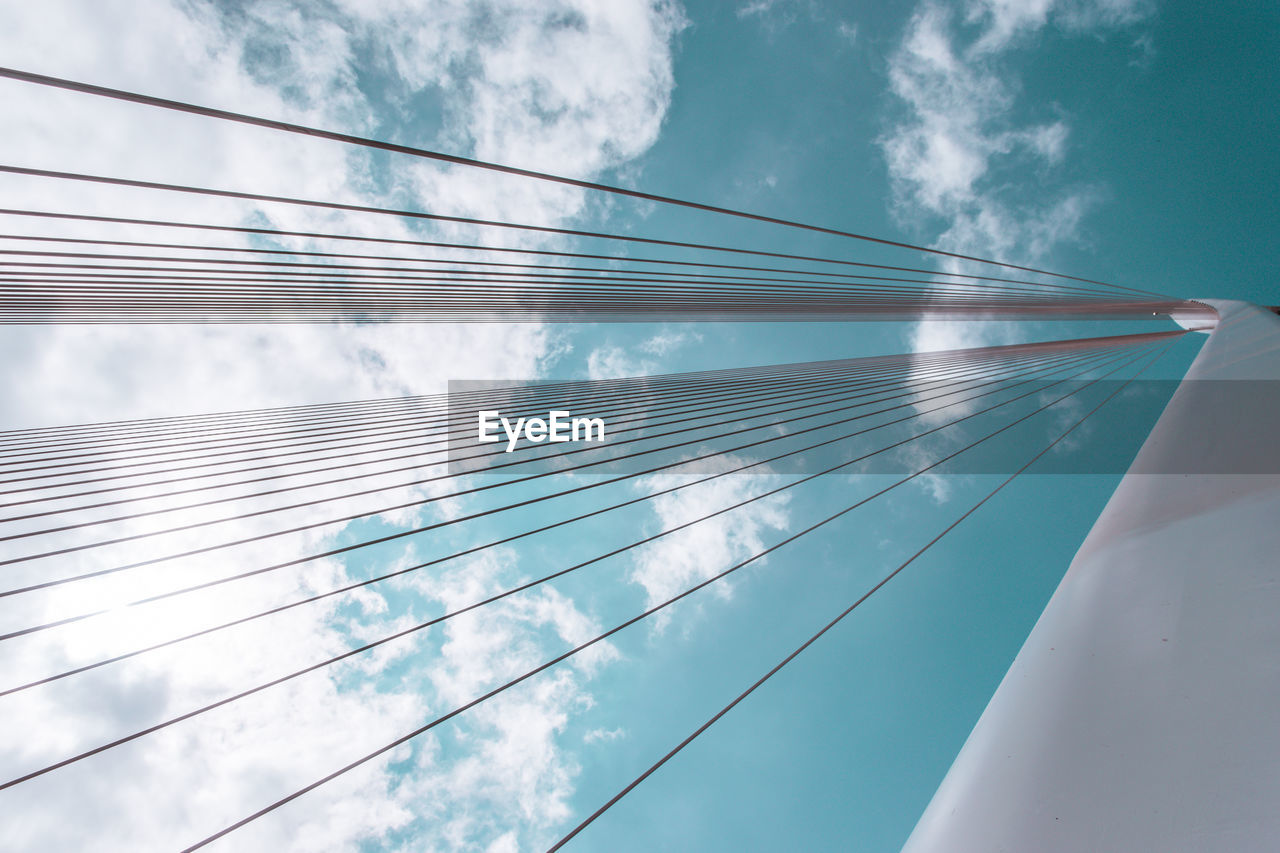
(678, 561)
(575, 86)
(614, 362)
(1007, 21)
(570, 87)
(950, 151)
(756, 8)
(775, 16)
(938, 336)
(936, 486)
(512, 777)
(604, 735)
(669, 341)
(610, 361)
(1084, 15)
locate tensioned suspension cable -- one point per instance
(480, 488)
(581, 647)
(811, 391)
(434, 421)
(457, 291)
(331, 412)
(277, 456)
(919, 388)
(455, 297)
(1092, 365)
(224, 115)
(420, 502)
(349, 654)
(316, 235)
(254, 572)
(809, 395)
(524, 273)
(930, 306)
(937, 275)
(439, 401)
(149, 289)
(629, 787)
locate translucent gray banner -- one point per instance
(635, 426)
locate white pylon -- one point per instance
(1143, 711)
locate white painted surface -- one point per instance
(1143, 711)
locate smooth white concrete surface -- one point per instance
(1143, 711)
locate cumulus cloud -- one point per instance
(669, 341)
(512, 778)
(678, 561)
(956, 137)
(603, 735)
(957, 133)
(576, 86)
(614, 362)
(1006, 21)
(611, 361)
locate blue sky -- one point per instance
(1122, 140)
(1167, 138)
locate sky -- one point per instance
(1121, 140)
